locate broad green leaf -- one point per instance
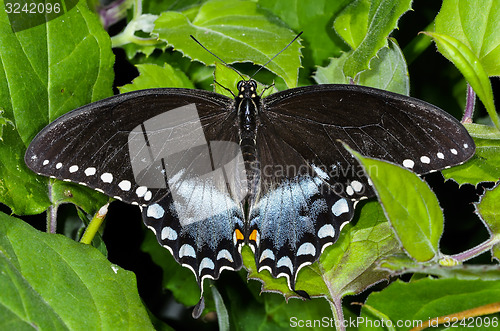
(333, 73)
(470, 67)
(412, 209)
(489, 211)
(428, 298)
(399, 265)
(388, 71)
(53, 283)
(315, 19)
(476, 24)
(365, 25)
(241, 32)
(152, 76)
(485, 164)
(44, 72)
(349, 266)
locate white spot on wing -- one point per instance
(340, 207)
(45, 162)
(168, 233)
(187, 250)
(285, 262)
(59, 165)
(454, 151)
(155, 211)
(440, 155)
(266, 254)
(408, 163)
(425, 159)
(349, 190)
(107, 177)
(90, 171)
(141, 190)
(357, 186)
(125, 185)
(466, 145)
(326, 230)
(206, 263)
(306, 249)
(224, 254)
(148, 196)
(73, 168)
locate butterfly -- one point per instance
(213, 173)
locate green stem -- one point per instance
(418, 45)
(94, 225)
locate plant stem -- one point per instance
(478, 250)
(94, 225)
(338, 314)
(52, 212)
(469, 106)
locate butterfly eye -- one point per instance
(240, 85)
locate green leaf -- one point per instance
(349, 266)
(489, 212)
(412, 209)
(52, 282)
(470, 67)
(475, 23)
(152, 76)
(46, 71)
(315, 18)
(428, 298)
(485, 164)
(240, 33)
(365, 25)
(388, 71)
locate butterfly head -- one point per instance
(247, 89)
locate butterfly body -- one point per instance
(212, 173)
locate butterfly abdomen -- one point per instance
(247, 108)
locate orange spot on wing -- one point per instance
(239, 235)
(253, 235)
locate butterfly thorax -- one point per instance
(247, 106)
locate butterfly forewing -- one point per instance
(312, 121)
(119, 145)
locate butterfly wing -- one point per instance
(313, 120)
(309, 182)
(166, 150)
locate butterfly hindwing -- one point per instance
(290, 226)
(199, 239)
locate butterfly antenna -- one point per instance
(218, 58)
(291, 42)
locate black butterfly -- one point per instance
(212, 173)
